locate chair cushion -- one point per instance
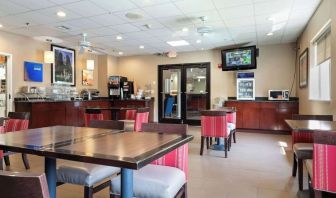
(303, 150)
(154, 181)
(231, 126)
(309, 166)
(84, 174)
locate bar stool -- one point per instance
(303, 145)
(92, 114)
(214, 124)
(164, 177)
(321, 169)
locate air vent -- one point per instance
(62, 27)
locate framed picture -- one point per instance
(33, 71)
(303, 69)
(87, 77)
(63, 70)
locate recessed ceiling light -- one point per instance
(202, 48)
(185, 29)
(178, 43)
(198, 41)
(120, 53)
(61, 14)
(119, 37)
(64, 28)
(1, 25)
(141, 46)
(271, 18)
(269, 34)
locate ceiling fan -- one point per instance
(204, 29)
(84, 44)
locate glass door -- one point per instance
(184, 91)
(3, 86)
(170, 94)
(197, 88)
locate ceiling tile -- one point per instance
(244, 21)
(146, 3)
(7, 7)
(85, 8)
(63, 2)
(107, 19)
(152, 23)
(188, 6)
(229, 3)
(34, 4)
(237, 12)
(122, 15)
(102, 31)
(210, 16)
(275, 7)
(52, 12)
(178, 20)
(114, 5)
(163, 10)
(125, 28)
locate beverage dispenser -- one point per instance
(115, 90)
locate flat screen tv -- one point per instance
(239, 58)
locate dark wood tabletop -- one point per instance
(311, 125)
(109, 108)
(131, 150)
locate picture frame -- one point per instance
(87, 77)
(303, 68)
(63, 71)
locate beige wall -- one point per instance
(275, 69)
(26, 49)
(321, 16)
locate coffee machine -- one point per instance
(115, 87)
(128, 89)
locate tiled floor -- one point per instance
(258, 166)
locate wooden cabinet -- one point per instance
(264, 115)
(71, 113)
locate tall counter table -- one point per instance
(263, 115)
(71, 113)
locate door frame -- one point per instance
(183, 67)
(9, 81)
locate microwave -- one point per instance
(278, 95)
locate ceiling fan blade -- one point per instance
(81, 50)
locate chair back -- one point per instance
(312, 117)
(214, 124)
(307, 136)
(324, 161)
(130, 114)
(177, 158)
(142, 116)
(15, 125)
(92, 114)
(19, 115)
(23, 185)
(231, 117)
(107, 124)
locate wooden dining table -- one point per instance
(129, 150)
(311, 125)
(115, 111)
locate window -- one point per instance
(320, 64)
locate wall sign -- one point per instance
(33, 71)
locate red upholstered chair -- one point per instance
(142, 116)
(91, 114)
(302, 142)
(164, 177)
(16, 121)
(130, 114)
(214, 124)
(321, 170)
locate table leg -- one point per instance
(126, 183)
(50, 171)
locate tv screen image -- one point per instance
(239, 58)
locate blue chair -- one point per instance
(169, 106)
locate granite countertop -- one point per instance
(263, 99)
(94, 100)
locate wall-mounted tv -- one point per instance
(239, 58)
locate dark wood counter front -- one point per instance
(71, 113)
(264, 115)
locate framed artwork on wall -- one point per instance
(63, 71)
(303, 68)
(87, 77)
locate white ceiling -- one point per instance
(233, 22)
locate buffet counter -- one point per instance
(44, 113)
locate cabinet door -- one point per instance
(48, 114)
(251, 115)
(285, 111)
(239, 114)
(268, 116)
